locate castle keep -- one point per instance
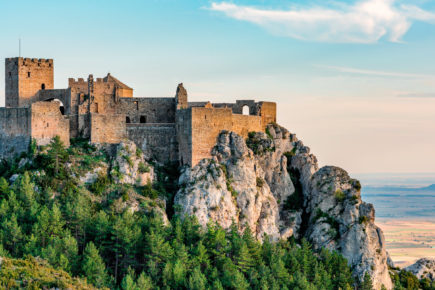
(105, 111)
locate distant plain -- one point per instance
(405, 210)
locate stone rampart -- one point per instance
(147, 110)
(107, 128)
(157, 140)
(14, 131)
(47, 122)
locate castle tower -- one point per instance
(24, 77)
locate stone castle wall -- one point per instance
(47, 122)
(184, 135)
(107, 128)
(14, 131)
(207, 123)
(157, 141)
(152, 110)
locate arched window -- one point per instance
(43, 87)
(143, 119)
(245, 110)
(127, 120)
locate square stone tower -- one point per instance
(25, 77)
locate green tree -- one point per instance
(367, 283)
(57, 156)
(93, 266)
(197, 280)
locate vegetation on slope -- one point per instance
(88, 231)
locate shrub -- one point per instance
(356, 184)
(339, 195)
(363, 219)
(268, 133)
(260, 182)
(149, 191)
(143, 168)
(128, 159)
(100, 184)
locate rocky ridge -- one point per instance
(423, 268)
(271, 183)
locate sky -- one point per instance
(355, 80)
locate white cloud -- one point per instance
(365, 21)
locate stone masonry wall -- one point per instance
(63, 95)
(153, 110)
(25, 77)
(14, 131)
(157, 141)
(107, 128)
(207, 123)
(48, 122)
(184, 135)
(268, 113)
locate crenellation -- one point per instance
(105, 111)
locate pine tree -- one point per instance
(57, 156)
(93, 266)
(197, 280)
(128, 283)
(367, 283)
(144, 282)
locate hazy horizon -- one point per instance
(361, 94)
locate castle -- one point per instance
(105, 111)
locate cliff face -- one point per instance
(272, 184)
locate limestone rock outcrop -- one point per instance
(271, 183)
(129, 165)
(423, 268)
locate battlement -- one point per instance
(24, 61)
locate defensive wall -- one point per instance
(204, 125)
(147, 110)
(14, 131)
(158, 141)
(42, 121)
(107, 128)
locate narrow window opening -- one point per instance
(43, 87)
(143, 119)
(127, 120)
(137, 105)
(10, 74)
(28, 74)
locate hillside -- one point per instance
(259, 214)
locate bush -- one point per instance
(149, 191)
(339, 195)
(100, 184)
(143, 168)
(260, 182)
(363, 219)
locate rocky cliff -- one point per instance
(272, 184)
(423, 268)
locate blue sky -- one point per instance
(354, 79)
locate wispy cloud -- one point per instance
(365, 21)
(351, 70)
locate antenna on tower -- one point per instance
(19, 47)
